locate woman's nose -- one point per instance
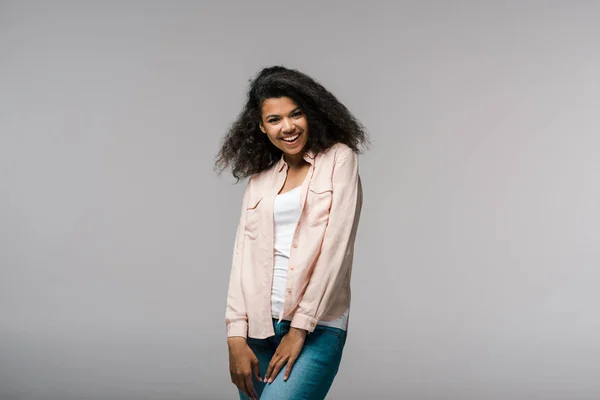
(287, 126)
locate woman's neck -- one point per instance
(295, 161)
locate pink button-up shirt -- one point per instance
(320, 264)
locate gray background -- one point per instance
(477, 264)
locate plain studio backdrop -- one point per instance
(477, 268)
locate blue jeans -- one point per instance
(313, 371)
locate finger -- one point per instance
(277, 368)
(256, 367)
(250, 386)
(242, 386)
(236, 382)
(288, 369)
(240, 382)
(271, 366)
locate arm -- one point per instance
(334, 263)
(242, 360)
(236, 318)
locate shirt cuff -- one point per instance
(302, 321)
(237, 328)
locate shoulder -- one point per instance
(262, 176)
(258, 181)
(338, 161)
(339, 152)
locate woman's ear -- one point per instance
(262, 128)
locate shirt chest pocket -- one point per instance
(319, 203)
(252, 218)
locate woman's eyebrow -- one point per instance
(277, 115)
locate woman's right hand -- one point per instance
(242, 362)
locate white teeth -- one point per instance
(291, 139)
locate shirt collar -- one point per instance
(309, 156)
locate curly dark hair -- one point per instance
(248, 151)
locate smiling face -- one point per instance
(285, 124)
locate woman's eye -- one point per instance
(297, 114)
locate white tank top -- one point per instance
(286, 214)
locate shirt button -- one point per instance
(295, 245)
(312, 324)
(291, 268)
(289, 290)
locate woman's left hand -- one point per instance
(287, 352)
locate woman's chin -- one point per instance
(293, 150)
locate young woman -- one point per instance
(289, 290)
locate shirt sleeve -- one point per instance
(337, 250)
(236, 317)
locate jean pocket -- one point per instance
(257, 343)
(336, 334)
(329, 330)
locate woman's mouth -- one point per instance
(291, 139)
